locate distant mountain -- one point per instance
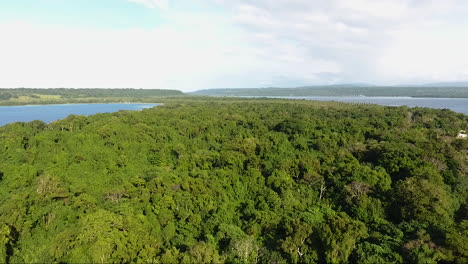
(447, 84)
(344, 90)
(344, 85)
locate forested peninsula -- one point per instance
(237, 181)
(22, 96)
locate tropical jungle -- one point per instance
(226, 180)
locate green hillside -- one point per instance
(21, 96)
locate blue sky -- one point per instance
(102, 14)
(199, 44)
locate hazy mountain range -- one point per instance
(449, 89)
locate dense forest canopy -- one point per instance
(237, 181)
(345, 90)
(20, 96)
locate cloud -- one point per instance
(54, 56)
(431, 54)
(355, 36)
(240, 43)
(162, 4)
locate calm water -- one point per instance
(459, 105)
(49, 113)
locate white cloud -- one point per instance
(386, 9)
(426, 54)
(46, 56)
(248, 44)
(365, 40)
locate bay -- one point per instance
(459, 105)
(49, 113)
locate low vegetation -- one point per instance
(21, 96)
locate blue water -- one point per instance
(459, 105)
(49, 113)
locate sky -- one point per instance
(200, 44)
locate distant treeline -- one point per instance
(450, 92)
(66, 95)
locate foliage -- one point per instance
(237, 181)
(21, 96)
